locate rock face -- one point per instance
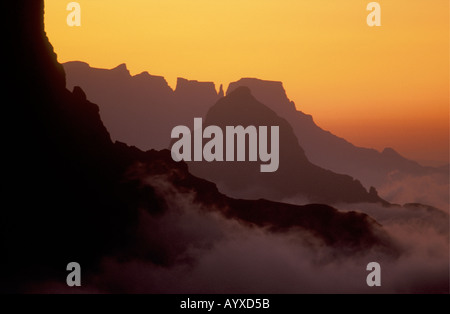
(295, 177)
(141, 110)
(326, 150)
(68, 190)
(270, 93)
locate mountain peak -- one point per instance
(389, 151)
(80, 64)
(182, 82)
(145, 74)
(121, 68)
(190, 88)
(271, 93)
(241, 90)
(155, 83)
(295, 177)
(221, 93)
(250, 81)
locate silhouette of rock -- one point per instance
(295, 177)
(141, 110)
(194, 92)
(327, 150)
(221, 93)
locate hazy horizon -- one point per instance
(173, 85)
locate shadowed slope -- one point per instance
(295, 177)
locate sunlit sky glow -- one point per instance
(377, 87)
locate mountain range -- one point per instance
(72, 193)
(141, 110)
(155, 109)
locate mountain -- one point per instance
(141, 110)
(69, 193)
(325, 149)
(295, 177)
(149, 103)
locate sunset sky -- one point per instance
(377, 87)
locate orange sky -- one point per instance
(375, 86)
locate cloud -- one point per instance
(192, 249)
(428, 189)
